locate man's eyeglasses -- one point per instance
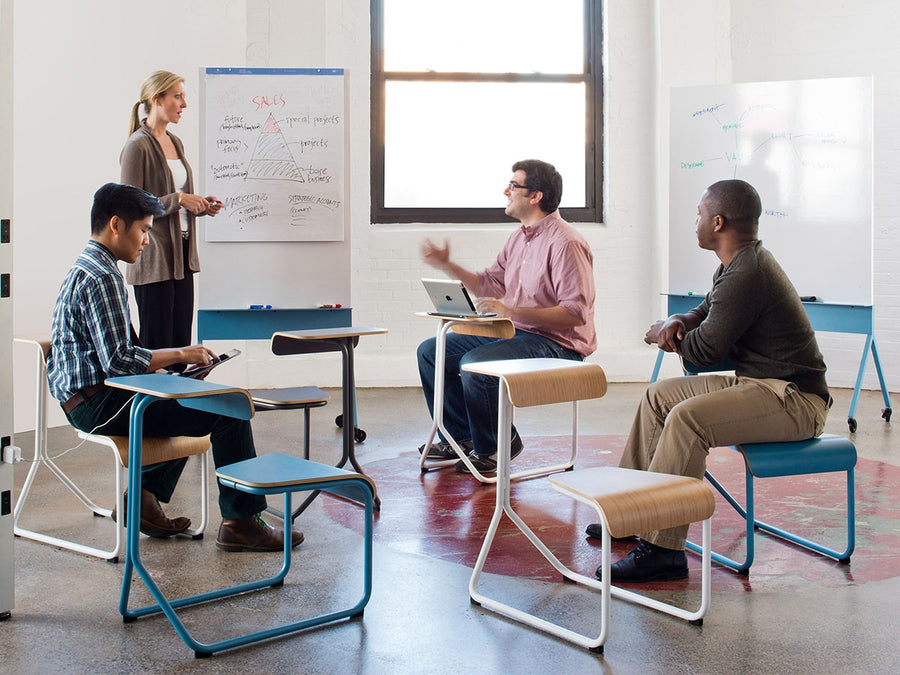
(513, 185)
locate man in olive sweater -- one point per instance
(752, 316)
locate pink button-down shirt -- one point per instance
(546, 265)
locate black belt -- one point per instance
(80, 397)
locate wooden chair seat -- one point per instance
(634, 502)
(288, 398)
(156, 448)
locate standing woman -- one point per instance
(153, 159)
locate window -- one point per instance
(461, 90)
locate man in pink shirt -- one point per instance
(543, 281)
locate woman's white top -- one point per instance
(179, 177)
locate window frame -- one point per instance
(592, 77)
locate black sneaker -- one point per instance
(595, 531)
(649, 562)
(441, 450)
(488, 463)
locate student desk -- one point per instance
(484, 326)
(259, 324)
(199, 395)
(626, 501)
(255, 476)
(343, 340)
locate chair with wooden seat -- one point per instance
(627, 501)
(156, 450)
(825, 454)
(630, 502)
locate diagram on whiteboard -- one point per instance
(272, 159)
(806, 146)
(274, 154)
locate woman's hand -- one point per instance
(214, 206)
(194, 203)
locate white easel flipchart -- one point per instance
(274, 152)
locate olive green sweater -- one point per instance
(754, 317)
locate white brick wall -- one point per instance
(650, 47)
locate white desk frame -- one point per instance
(503, 506)
(440, 356)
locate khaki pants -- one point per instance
(680, 419)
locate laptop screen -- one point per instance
(449, 296)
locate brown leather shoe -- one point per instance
(253, 534)
(154, 522)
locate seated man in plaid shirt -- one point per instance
(92, 340)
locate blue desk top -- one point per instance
(197, 394)
(164, 385)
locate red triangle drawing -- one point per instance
(271, 126)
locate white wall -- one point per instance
(78, 69)
(87, 81)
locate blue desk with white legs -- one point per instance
(825, 317)
(297, 475)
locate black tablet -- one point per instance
(196, 371)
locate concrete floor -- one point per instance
(419, 619)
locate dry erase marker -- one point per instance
(260, 306)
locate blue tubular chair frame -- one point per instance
(779, 459)
(235, 403)
(759, 465)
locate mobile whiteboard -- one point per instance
(273, 152)
(806, 146)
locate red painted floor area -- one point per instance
(443, 514)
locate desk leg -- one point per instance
(502, 506)
(348, 412)
(437, 404)
(348, 397)
(133, 535)
(437, 424)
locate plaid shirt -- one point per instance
(91, 334)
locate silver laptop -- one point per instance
(450, 298)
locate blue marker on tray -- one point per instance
(260, 306)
